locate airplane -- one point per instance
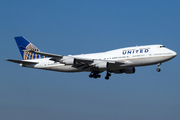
(116, 61)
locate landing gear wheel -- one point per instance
(94, 74)
(98, 76)
(90, 75)
(158, 69)
(107, 77)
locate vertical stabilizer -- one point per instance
(24, 44)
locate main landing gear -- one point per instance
(158, 69)
(107, 75)
(94, 75)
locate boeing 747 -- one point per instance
(116, 61)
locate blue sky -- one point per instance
(83, 26)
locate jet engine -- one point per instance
(102, 65)
(69, 61)
(127, 71)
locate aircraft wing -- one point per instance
(84, 63)
(21, 61)
(80, 61)
(87, 60)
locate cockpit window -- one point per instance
(162, 46)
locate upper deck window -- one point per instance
(162, 46)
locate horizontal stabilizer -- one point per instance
(21, 61)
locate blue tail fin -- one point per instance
(24, 44)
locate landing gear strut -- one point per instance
(94, 75)
(158, 69)
(107, 75)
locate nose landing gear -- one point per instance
(158, 69)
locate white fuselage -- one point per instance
(132, 57)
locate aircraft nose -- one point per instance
(174, 53)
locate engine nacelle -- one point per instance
(102, 65)
(127, 71)
(69, 61)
